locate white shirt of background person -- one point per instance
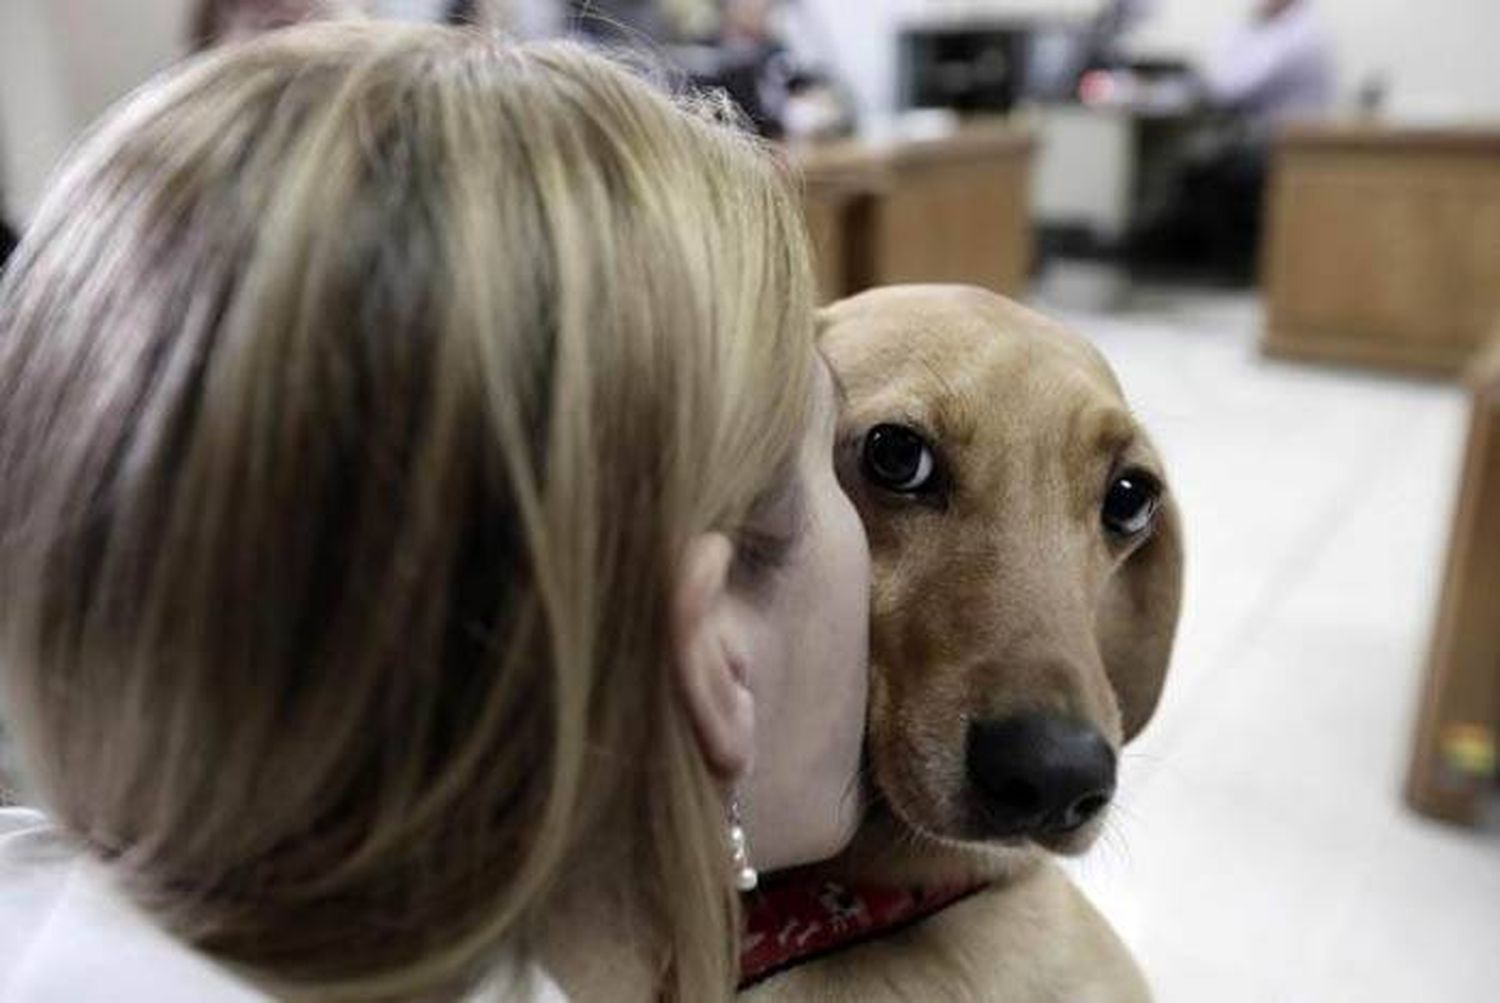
(1278, 67)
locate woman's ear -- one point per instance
(710, 649)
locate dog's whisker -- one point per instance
(1121, 811)
(1115, 837)
(1143, 757)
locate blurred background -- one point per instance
(1280, 219)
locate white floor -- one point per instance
(1262, 852)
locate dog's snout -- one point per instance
(1039, 774)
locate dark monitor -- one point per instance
(989, 66)
(964, 68)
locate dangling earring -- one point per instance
(745, 878)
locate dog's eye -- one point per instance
(898, 459)
(1131, 502)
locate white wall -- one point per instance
(110, 47)
(62, 62)
(34, 108)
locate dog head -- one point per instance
(1027, 563)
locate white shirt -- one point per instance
(68, 936)
(1276, 69)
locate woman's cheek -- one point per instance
(851, 569)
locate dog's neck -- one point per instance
(889, 878)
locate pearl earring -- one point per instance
(745, 877)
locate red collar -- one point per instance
(799, 918)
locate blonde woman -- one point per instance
(419, 543)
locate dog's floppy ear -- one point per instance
(822, 321)
(1138, 621)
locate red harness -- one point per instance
(798, 919)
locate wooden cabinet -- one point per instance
(955, 209)
(1383, 247)
(1453, 766)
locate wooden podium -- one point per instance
(1453, 771)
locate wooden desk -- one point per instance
(1453, 768)
(954, 209)
(1383, 246)
(841, 182)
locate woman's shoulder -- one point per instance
(34, 868)
(67, 934)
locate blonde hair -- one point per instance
(360, 388)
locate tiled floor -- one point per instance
(1262, 853)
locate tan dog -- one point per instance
(1027, 582)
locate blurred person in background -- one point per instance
(786, 91)
(215, 22)
(1276, 68)
(423, 574)
(643, 24)
(745, 59)
(8, 236)
(7, 242)
(1108, 30)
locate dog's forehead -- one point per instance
(951, 355)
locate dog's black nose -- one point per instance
(1039, 773)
